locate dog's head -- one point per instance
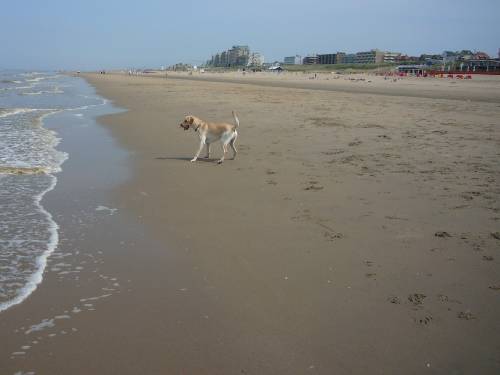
(187, 123)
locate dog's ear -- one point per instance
(191, 119)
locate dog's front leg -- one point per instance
(202, 143)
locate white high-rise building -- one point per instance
(255, 59)
(293, 60)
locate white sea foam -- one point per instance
(41, 78)
(41, 261)
(44, 324)
(104, 208)
(5, 112)
(16, 88)
(56, 90)
(37, 79)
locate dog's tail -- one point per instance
(236, 120)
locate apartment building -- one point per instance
(293, 60)
(374, 56)
(311, 59)
(331, 58)
(349, 58)
(236, 56)
(391, 57)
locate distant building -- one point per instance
(255, 59)
(391, 57)
(329, 58)
(412, 69)
(374, 56)
(238, 56)
(349, 58)
(482, 65)
(449, 57)
(223, 59)
(293, 60)
(481, 56)
(181, 67)
(311, 59)
(457, 57)
(340, 58)
(216, 60)
(465, 54)
(403, 58)
(430, 59)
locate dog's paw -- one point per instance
(219, 161)
(193, 160)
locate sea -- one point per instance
(29, 164)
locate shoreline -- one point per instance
(315, 245)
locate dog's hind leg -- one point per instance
(231, 143)
(208, 150)
(224, 150)
(202, 143)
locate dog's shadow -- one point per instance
(181, 158)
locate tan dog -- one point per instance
(211, 132)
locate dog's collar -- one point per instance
(196, 129)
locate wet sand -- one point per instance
(354, 233)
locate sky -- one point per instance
(107, 34)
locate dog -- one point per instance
(210, 132)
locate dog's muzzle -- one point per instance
(184, 126)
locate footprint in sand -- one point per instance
(417, 299)
(304, 214)
(423, 320)
(354, 143)
(314, 186)
(395, 300)
(465, 315)
(442, 234)
(329, 233)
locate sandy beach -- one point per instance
(357, 232)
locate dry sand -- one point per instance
(354, 233)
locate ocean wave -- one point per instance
(25, 144)
(31, 74)
(28, 233)
(10, 81)
(56, 90)
(16, 88)
(36, 277)
(38, 79)
(5, 112)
